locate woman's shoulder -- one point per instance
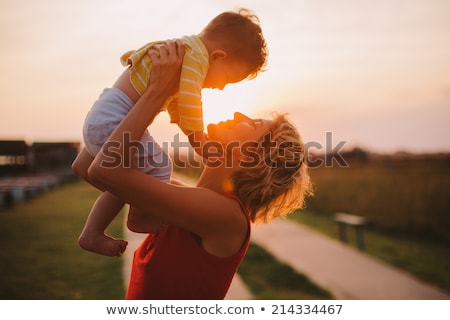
(236, 198)
(231, 231)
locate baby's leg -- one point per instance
(96, 131)
(93, 237)
(155, 162)
(81, 164)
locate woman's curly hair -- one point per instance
(279, 183)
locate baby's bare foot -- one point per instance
(102, 244)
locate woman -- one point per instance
(257, 174)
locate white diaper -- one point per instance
(105, 115)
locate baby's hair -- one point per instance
(241, 35)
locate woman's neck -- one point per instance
(216, 179)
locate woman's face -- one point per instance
(241, 129)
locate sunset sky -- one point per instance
(374, 73)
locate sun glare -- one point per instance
(221, 105)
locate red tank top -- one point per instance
(172, 265)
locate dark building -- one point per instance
(48, 156)
(17, 158)
(13, 157)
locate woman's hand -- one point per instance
(167, 59)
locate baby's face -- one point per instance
(224, 71)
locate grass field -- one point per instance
(427, 259)
(41, 258)
(270, 279)
(407, 203)
(398, 196)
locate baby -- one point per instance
(229, 49)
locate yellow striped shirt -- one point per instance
(185, 108)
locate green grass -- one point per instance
(406, 201)
(428, 259)
(40, 258)
(407, 197)
(269, 279)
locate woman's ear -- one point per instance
(217, 55)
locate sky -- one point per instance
(376, 74)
